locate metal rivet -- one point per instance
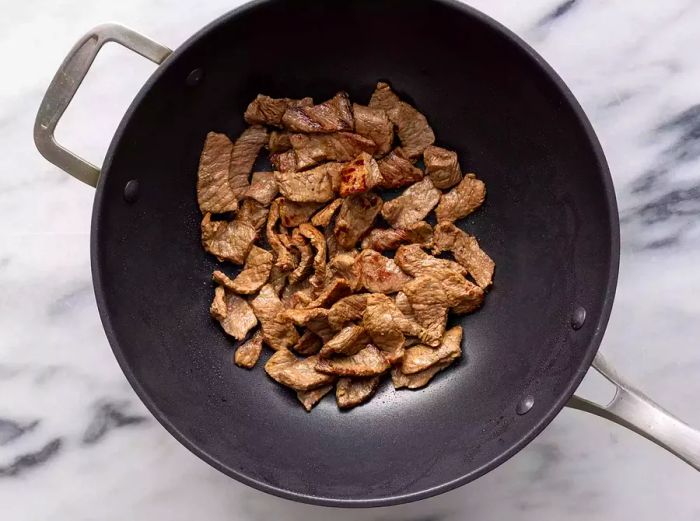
(131, 191)
(194, 77)
(578, 318)
(525, 404)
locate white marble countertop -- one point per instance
(75, 442)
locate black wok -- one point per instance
(550, 222)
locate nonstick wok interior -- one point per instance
(549, 222)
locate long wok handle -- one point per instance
(633, 409)
(65, 84)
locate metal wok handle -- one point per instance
(65, 84)
(634, 410)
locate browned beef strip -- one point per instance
(330, 116)
(248, 353)
(413, 205)
(245, 151)
(311, 186)
(214, 194)
(293, 214)
(347, 341)
(442, 166)
(397, 170)
(254, 275)
(355, 218)
(310, 398)
(227, 240)
(278, 331)
(380, 274)
(466, 251)
(351, 392)
(339, 146)
(359, 175)
(279, 141)
(233, 313)
(299, 374)
(264, 110)
(263, 188)
(373, 123)
(419, 358)
(368, 362)
(284, 161)
(382, 239)
(462, 200)
(416, 380)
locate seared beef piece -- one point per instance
(413, 260)
(263, 188)
(350, 392)
(359, 175)
(462, 200)
(463, 296)
(299, 374)
(347, 341)
(310, 398)
(402, 304)
(245, 152)
(346, 310)
(315, 319)
(264, 110)
(298, 295)
(344, 265)
(397, 170)
(368, 362)
(324, 216)
(339, 146)
(278, 279)
(331, 293)
(380, 274)
(382, 239)
(293, 214)
(419, 358)
(284, 161)
(318, 242)
(278, 332)
(355, 217)
(227, 240)
(279, 141)
(311, 186)
(430, 305)
(330, 116)
(253, 213)
(254, 275)
(466, 251)
(373, 123)
(306, 257)
(416, 380)
(214, 194)
(413, 205)
(442, 166)
(247, 354)
(284, 259)
(309, 343)
(233, 313)
(411, 126)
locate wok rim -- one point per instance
(546, 416)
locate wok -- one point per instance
(550, 222)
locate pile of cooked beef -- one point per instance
(342, 284)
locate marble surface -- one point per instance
(75, 442)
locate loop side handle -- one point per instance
(66, 83)
(633, 409)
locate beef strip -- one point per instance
(284, 259)
(350, 392)
(355, 218)
(253, 213)
(403, 304)
(419, 358)
(380, 274)
(227, 240)
(300, 375)
(416, 380)
(397, 170)
(413, 205)
(330, 116)
(299, 294)
(233, 313)
(382, 239)
(254, 275)
(442, 166)
(279, 141)
(293, 214)
(310, 398)
(214, 194)
(248, 353)
(318, 242)
(278, 332)
(466, 251)
(462, 200)
(411, 126)
(306, 257)
(339, 146)
(245, 151)
(344, 265)
(367, 362)
(263, 188)
(347, 310)
(331, 293)
(373, 123)
(347, 341)
(315, 319)
(430, 305)
(284, 161)
(324, 216)
(413, 260)
(311, 186)
(264, 110)
(309, 343)
(359, 175)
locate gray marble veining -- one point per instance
(75, 442)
